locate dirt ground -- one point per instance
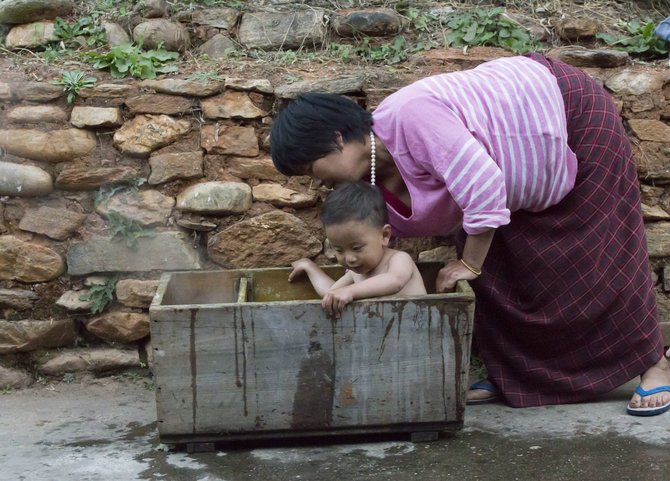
(277, 67)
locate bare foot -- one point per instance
(656, 376)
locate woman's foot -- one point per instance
(481, 392)
(655, 377)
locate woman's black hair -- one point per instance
(355, 201)
(307, 129)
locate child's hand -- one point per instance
(299, 267)
(334, 301)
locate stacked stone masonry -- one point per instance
(139, 177)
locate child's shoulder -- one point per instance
(398, 256)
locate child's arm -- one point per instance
(319, 279)
(399, 273)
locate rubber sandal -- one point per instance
(655, 411)
(486, 386)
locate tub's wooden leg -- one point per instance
(424, 436)
(200, 447)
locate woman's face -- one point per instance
(350, 163)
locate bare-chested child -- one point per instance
(355, 218)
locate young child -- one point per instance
(356, 222)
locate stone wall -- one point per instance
(139, 177)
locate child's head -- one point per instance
(355, 218)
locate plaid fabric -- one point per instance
(565, 308)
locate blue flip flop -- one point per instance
(486, 386)
(655, 411)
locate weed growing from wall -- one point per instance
(100, 295)
(130, 60)
(73, 82)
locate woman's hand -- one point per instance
(451, 273)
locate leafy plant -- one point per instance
(343, 51)
(127, 229)
(205, 77)
(181, 4)
(391, 52)
(100, 295)
(488, 27)
(7, 389)
(641, 40)
(130, 59)
(73, 82)
(291, 79)
(68, 377)
(106, 192)
(88, 27)
(421, 21)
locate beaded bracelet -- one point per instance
(477, 272)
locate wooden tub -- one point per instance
(245, 355)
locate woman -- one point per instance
(526, 158)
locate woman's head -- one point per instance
(313, 126)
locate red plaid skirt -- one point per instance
(565, 308)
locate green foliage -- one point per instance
(7, 389)
(420, 21)
(120, 8)
(130, 60)
(205, 77)
(641, 40)
(73, 82)
(100, 295)
(68, 377)
(390, 52)
(87, 27)
(106, 192)
(291, 79)
(51, 54)
(127, 229)
(488, 27)
(343, 51)
(182, 4)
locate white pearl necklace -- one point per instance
(373, 158)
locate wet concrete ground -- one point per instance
(107, 431)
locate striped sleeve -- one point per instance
(447, 149)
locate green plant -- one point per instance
(291, 79)
(391, 52)
(106, 192)
(130, 59)
(420, 21)
(488, 27)
(343, 51)
(100, 295)
(7, 389)
(641, 40)
(87, 27)
(50, 54)
(182, 4)
(121, 8)
(73, 82)
(68, 377)
(205, 77)
(127, 229)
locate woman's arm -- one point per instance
(474, 254)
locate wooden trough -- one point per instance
(246, 355)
